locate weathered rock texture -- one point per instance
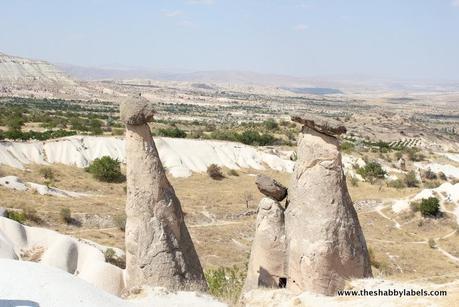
(326, 245)
(271, 188)
(266, 264)
(159, 250)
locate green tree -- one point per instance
(106, 169)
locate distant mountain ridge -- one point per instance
(17, 70)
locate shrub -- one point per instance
(111, 257)
(117, 131)
(397, 184)
(172, 132)
(32, 215)
(410, 179)
(215, 172)
(225, 283)
(432, 184)
(106, 169)
(372, 171)
(347, 147)
(66, 215)
(271, 124)
(432, 243)
(233, 172)
(18, 216)
(414, 154)
(429, 206)
(428, 174)
(48, 174)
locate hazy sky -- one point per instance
(395, 38)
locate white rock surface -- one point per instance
(14, 183)
(448, 170)
(33, 284)
(180, 157)
(60, 251)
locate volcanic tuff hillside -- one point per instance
(20, 70)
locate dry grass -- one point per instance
(223, 235)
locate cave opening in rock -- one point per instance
(283, 282)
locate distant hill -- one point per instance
(15, 71)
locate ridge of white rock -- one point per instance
(181, 157)
(16, 70)
(64, 252)
(14, 183)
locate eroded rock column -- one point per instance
(159, 250)
(326, 245)
(267, 257)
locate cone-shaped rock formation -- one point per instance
(326, 245)
(159, 249)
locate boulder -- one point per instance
(326, 245)
(136, 111)
(271, 188)
(267, 257)
(159, 249)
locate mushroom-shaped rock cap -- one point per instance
(330, 126)
(271, 188)
(136, 111)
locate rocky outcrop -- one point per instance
(16, 70)
(266, 264)
(271, 188)
(159, 249)
(326, 245)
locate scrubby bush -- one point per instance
(106, 169)
(372, 171)
(415, 206)
(347, 147)
(66, 215)
(432, 243)
(117, 131)
(18, 216)
(414, 154)
(32, 215)
(397, 184)
(410, 179)
(111, 257)
(271, 124)
(47, 173)
(215, 172)
(233, 172)
(432, 184)
(428, 174)
(429, 206)
(172, 132)
(225, 283)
